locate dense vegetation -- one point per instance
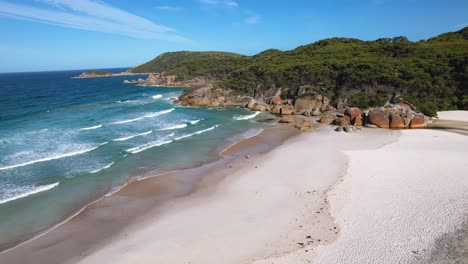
(432, 74)
(189, 64)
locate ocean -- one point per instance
(66, 142)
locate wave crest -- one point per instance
(133, 136)
(103, 168)
(246, 117)
(146, 146)
(174, 127)
(59, 156)
(29, 190)
(196, 133)
(149, 115)
(91, 128)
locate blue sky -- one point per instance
(38, 35)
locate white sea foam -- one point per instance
(148, 115)
(133, 136)
(245, 117)
(174, 127)
(252, 133)
(195, 121)
(158, 96)
(148, 146)
(196, 133)
(59, 156)
(91, 128)
(103, 168)
(30, 190)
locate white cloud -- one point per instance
(228, 3)
(232, 3)
(210, 2)
(91, 15)
(252, 20)
(169, 8)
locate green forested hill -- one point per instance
(189, 64)
(433, 74)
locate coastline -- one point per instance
(267, 202)
(168, 185)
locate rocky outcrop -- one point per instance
(260, 106)
(399, 116)
(353, 113)
(327, 118)
(308, 105)
(273, 92)
(202, 95)
(396, 121)
(287, 110)
(379, 118)
(287, 119)
(341, 121)
(392, 115)
(305, 126)
(417, 122)
(160, 79)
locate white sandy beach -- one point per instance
(392, 193)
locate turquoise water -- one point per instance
(66, 142)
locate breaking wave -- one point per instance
(27, 191)
(246, 117)
(149, 115)
(196, 133)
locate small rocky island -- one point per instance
(94, 73)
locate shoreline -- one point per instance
(121, 227)
(269, 138)
(247, 227)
